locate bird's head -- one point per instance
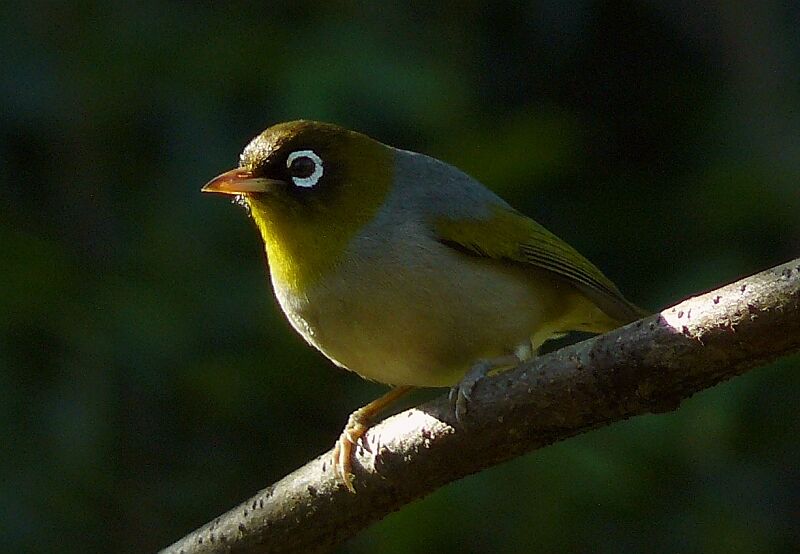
(310, 188)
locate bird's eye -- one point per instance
(305, 168)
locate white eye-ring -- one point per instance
(305, 168)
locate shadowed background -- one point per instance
(148, 381)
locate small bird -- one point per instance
(406, 270)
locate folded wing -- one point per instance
(509, 235)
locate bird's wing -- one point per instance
(509, 235)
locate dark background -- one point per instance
(148, 381)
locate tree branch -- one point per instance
(646, 367)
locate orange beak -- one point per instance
(240, 181)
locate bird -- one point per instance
(404, 269)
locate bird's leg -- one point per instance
(460, 394)
(357, 424)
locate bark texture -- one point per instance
(648, 366)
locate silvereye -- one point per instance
(404, 269)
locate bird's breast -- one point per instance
(413, 311)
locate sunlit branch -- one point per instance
(648, 366)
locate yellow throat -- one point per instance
(305, 237)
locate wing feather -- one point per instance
(509, 235)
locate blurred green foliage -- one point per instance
(148, 381)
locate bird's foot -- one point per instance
(356, 427)
(461, 394)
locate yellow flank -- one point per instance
(305, 235)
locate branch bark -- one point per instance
(648, 366)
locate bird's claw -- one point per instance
(461, 394)
(357, 425)
(343, 450)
